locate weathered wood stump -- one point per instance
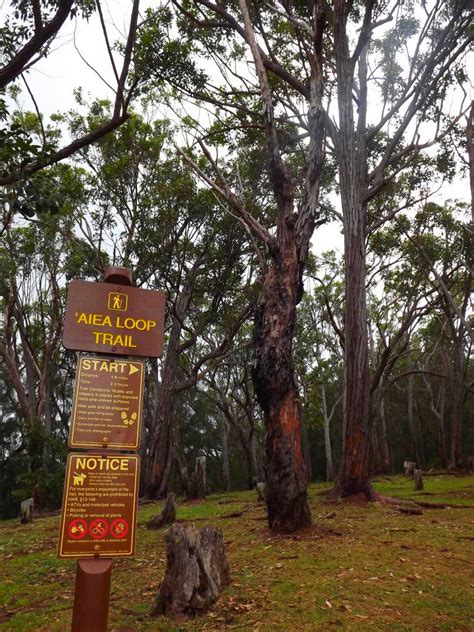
(196, 483)
(196, 571)
(26, 510)
(260, 487)
(418, 478)
(167, 515)
(410, 467)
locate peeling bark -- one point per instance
(275, 386)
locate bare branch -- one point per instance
(16, 66)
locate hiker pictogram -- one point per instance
(126, 420)
(118, 301)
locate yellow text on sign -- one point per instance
(99, 463)
(101, 320)
(109, 367)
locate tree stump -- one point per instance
(410, 467)
(418, 478)
(196, 485)
(260, 487)
(26, 511)
(196, 571)
(167, 515)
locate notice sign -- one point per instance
(99, 507)
(107, 404)
(110, 318)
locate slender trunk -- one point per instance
(441, 405)
(458, 393)
(415, 453)
(160, 454)
(420, 426)
(470, 153)
(327, 437)
(375, 464)
(253, 465)
(275, 387)
(305, 443)
(225, 454)
(47, 415)
(385, 455)
(437, 408)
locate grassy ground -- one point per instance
(366, 567)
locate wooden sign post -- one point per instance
(99, 512)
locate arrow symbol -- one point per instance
(133, 369)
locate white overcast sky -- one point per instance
(54, 79)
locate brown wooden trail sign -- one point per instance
(107, 404)
(99, 506)
(112, 318)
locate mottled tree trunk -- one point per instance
(327, 437)
(160, 454)
(352, 154)
(275, 386)
(273, 374)
(354, 472)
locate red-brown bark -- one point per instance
(275, 387)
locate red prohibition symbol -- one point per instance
(119, 528)
(77, 529)
(98, 528)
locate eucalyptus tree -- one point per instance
(257, 107)
(34, 262)
(391, 102)
(443, 252)
(319, 354)
(417, 333)
(147, 212)
(230, 389)
(279, 56)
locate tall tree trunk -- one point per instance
(253, 465)
(305, 444)
(225, 453)
(437, 407)
(354, 472)
(415, 453)
(160, 455)
(459, 397)
(327, 436)
(352, 154)
(275, 387)
(441, 406)
(250, 450)
(385, 455)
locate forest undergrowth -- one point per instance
(359, 567)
